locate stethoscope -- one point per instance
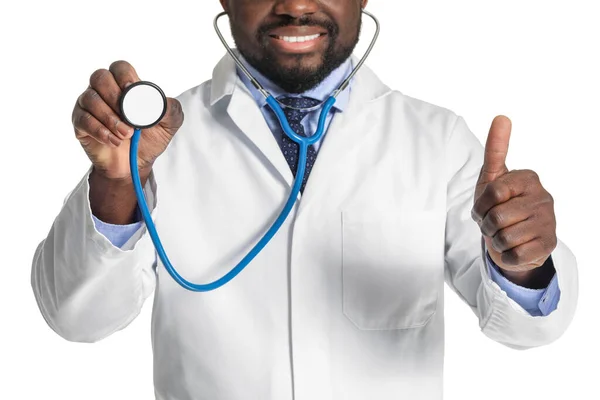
(143, 104)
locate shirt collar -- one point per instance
(320, 92)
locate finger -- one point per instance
(525, 254)
(506, 214)
(104, 83)
(515, 235)
(123, 73)
(497, 192)
(173, 118)
(91, 101)
(496, 149)
(86, 125)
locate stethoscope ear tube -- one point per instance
(265, 92)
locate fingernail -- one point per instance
(122, 128)
(115, 141)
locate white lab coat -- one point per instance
(346, 302)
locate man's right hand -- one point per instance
(106, 138)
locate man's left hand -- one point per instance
(514, 212)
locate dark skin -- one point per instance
(106, 138)
(255, 24)
(515, 214)
(513, 210)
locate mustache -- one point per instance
(306, 20)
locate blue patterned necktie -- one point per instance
(288, 146)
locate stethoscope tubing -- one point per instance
(303, 142)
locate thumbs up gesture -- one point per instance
(514, 212)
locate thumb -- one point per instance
(496, 149)
(173, 118)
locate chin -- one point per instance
(293, 72)
(305, 61)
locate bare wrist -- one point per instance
(537, 278)
(113, 200)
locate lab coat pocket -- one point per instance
(392, 267)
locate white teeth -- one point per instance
(294, 39)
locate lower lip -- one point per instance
(296, 47)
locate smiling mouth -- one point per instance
(298, 44)
(298, 39)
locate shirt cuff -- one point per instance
(118, 235)
(537, 302)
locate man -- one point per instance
(346, 301)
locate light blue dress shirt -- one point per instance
(537, 302)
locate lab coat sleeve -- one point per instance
(466, 272)
(86, 288)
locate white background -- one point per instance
(535, 61)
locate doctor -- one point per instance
(346, 301)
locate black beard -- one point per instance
(299, 80)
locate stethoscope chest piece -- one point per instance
(143, 104)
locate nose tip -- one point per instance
(296, 8)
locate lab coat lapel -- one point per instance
(346, 132)
(245, 113)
